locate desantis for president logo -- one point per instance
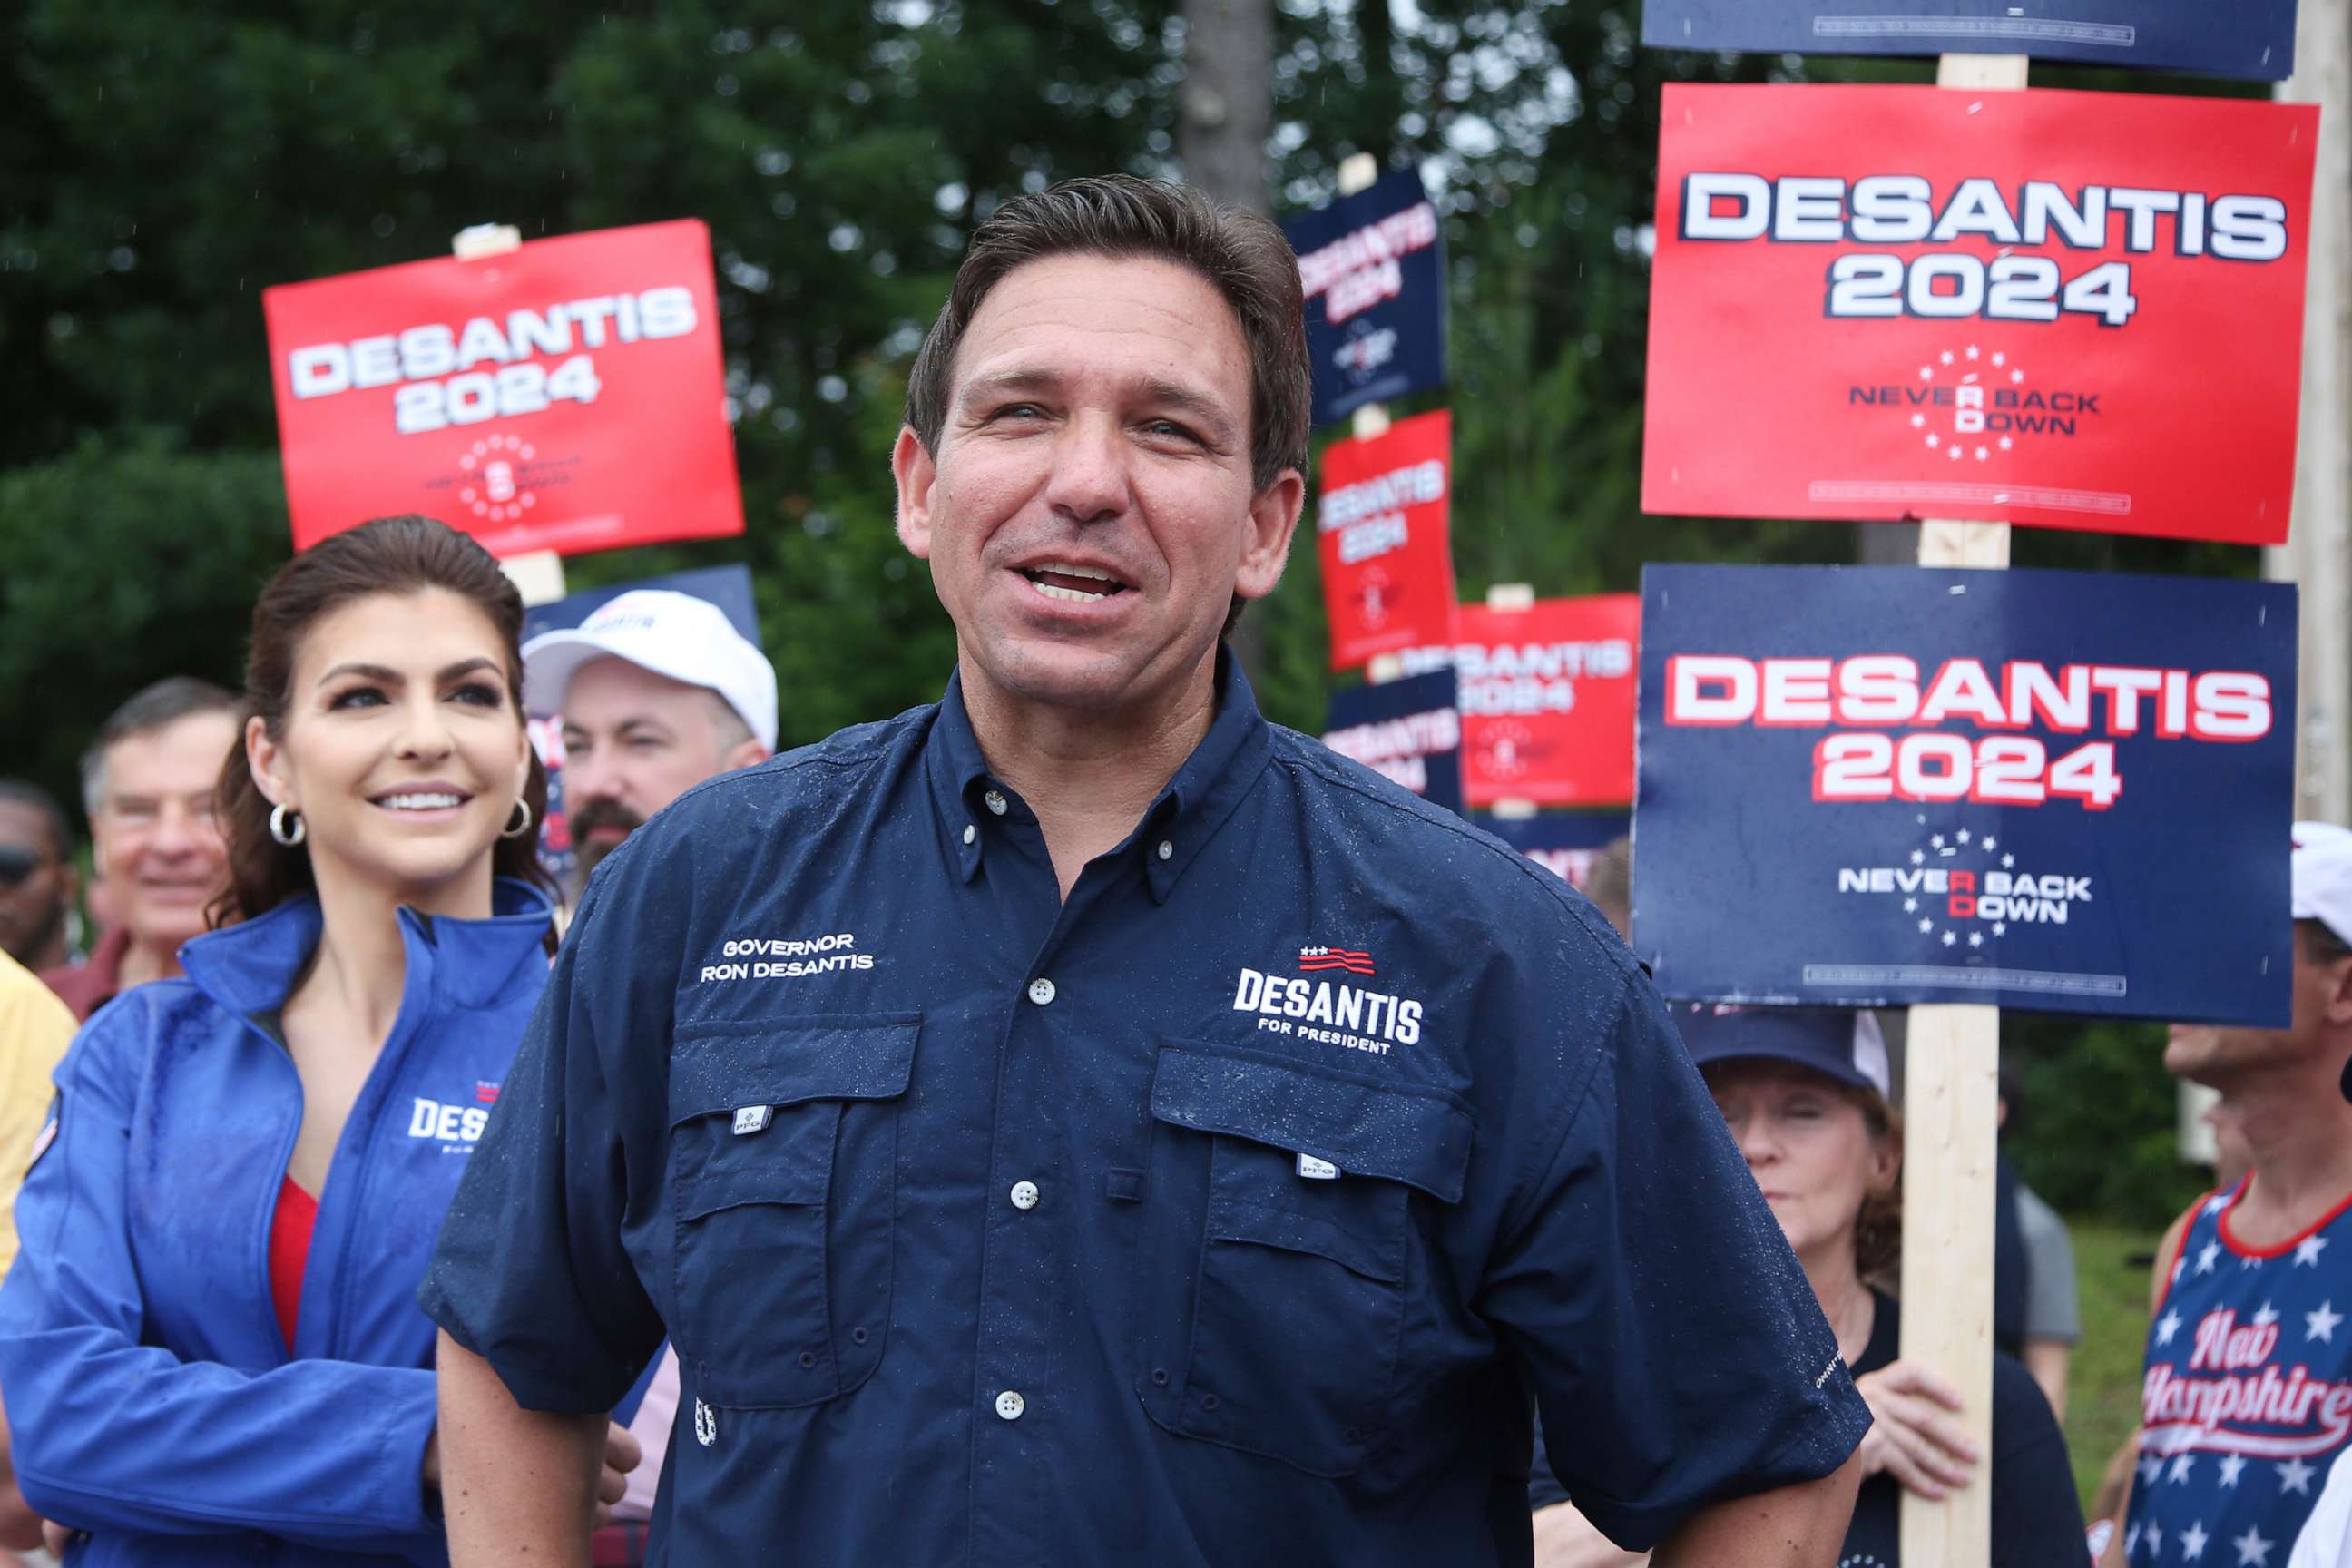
(1970, 402)
(1329, 1012)
(1962, 889)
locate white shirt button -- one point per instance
(1010, 1404)
(1166, 849)
(1024, 1196)
(996, 799)
(970, 833)
(1040, 991)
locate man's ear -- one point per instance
(743, 754)
(917, 472)
(1273, 518)
(2339, 992)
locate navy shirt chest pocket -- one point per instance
(784, 1176)
(1273, 1301)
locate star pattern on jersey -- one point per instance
(2192, 1542)
(2154, 1539)
(2167, 1326)
(2151, 1469)
(2308, 1249)
(2294, 1476)
(2183, 1464)
(2265, 1315)
(2207, 1258)
(2253, 1551)
(2321, 1325)
(2231, 1464)
(2217, 1203)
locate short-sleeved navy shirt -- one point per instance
(1225, 1213)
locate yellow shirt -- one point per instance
(34, 1030)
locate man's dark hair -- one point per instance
(44, 806)
(167, 702)
(1242, 255)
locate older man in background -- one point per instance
(155, 846)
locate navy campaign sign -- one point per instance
(1372, 267)
(728, 587)
(2058, 791)
(2248, 38)
(1408, 731)
(1564, 845)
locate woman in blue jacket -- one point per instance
(210, 1348)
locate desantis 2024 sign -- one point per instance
(2066, 309)
(2039, 789)
(568, 396)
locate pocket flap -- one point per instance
(1414, 1136)
(780, 1062)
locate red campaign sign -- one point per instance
(569, 395)
(2072, 310)
(1546, 699)
(1385, 539)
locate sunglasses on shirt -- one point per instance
(17, 862)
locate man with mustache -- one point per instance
(657, 693)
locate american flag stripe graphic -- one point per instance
(1335, 958)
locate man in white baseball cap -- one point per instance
(656, 691)
(2260, 1266)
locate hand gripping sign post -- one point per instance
(565, 395)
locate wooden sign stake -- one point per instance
(538, 574)
(1951, 1102)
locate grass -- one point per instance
(2104, 1379)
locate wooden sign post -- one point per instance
(538, 574)
(1950, 1115)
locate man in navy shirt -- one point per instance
(1078, 1122)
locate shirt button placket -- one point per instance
(1010, 1404)
(1025, 1195)
(995, 801)
(1040, 991)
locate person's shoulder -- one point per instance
(2035, 1214)
(1363, 813)
(122, 1040)
(798, 788)
(29, 1010)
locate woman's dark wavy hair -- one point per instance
(396, 556)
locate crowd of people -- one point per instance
(1075, 1122)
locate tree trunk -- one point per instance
(1224, 114)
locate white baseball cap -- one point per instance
(2321, 876)
(675, 635)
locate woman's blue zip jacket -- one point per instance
(152, 1399)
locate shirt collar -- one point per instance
(1181, 820)
(250, 967)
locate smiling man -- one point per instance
(1078, 1121)
(147, 782)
